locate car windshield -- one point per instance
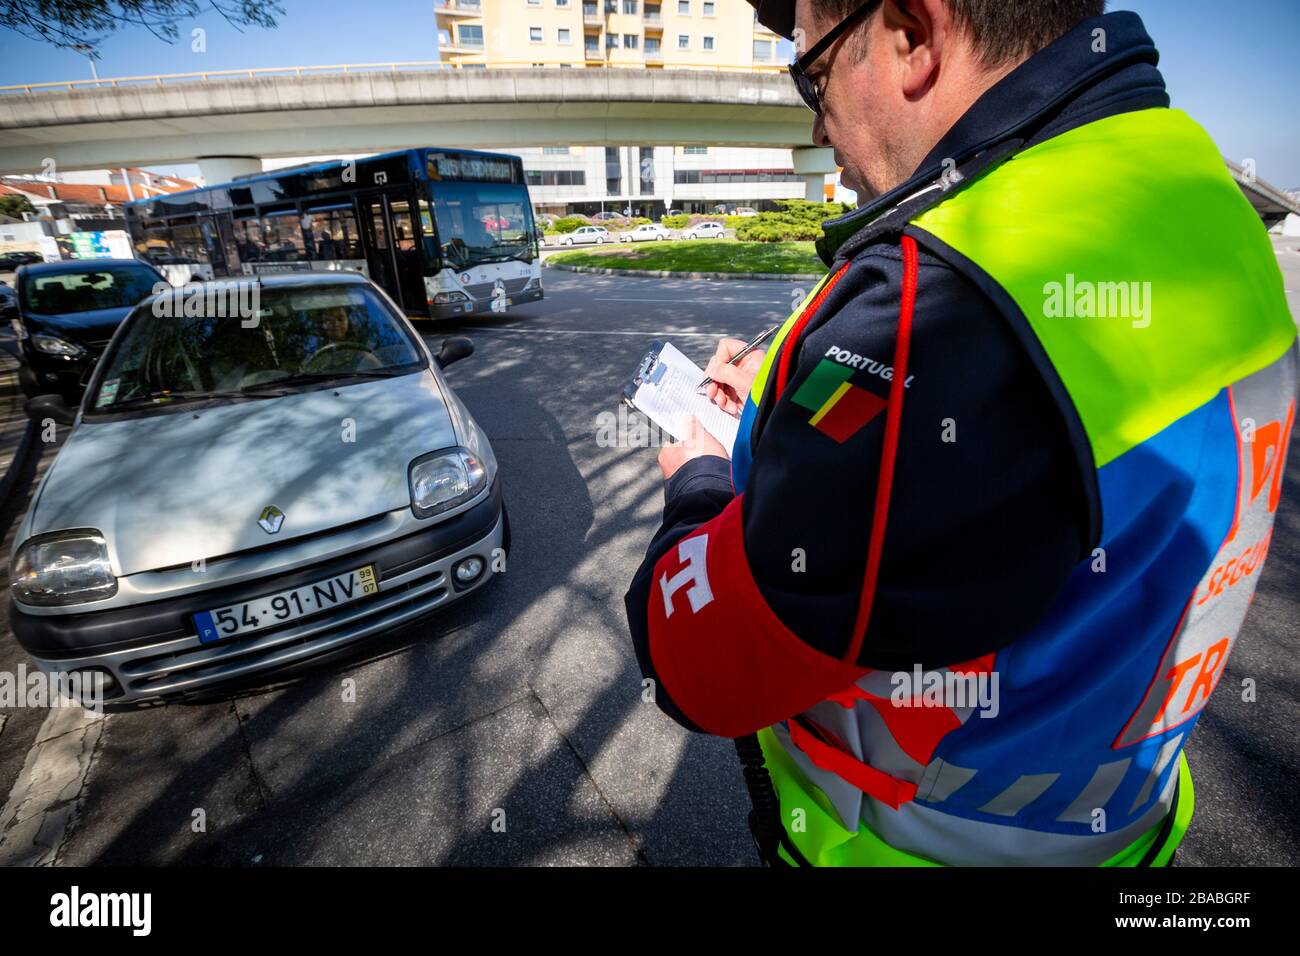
(67, 292)
(294, 338)
(482, 222)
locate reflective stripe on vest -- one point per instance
(1146, 286)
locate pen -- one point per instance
(762, 337)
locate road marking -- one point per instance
(652, 334)
(712, 301)
(46, 797)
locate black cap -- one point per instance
(776, 15)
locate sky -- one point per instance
(1232, 66)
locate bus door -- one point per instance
(392, 252)
(216, 250)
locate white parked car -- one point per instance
(643, 232)
(238, 535)
(705, 230)
(596, 234)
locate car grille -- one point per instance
(190, 667)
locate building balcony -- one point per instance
(593, 53)
(653, 21)
(593, 19)
(458, 8)
(654, 56)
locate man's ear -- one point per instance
(918, 31)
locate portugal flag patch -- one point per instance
(839, 407)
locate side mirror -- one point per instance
(49, 406)
(453, 350)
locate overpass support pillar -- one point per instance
(813, 164)
(222, 169)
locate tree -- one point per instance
(72, 23)
(14, 206)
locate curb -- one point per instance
(12, 394)
(666, 274)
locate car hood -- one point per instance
(95, 325)
(169, 489)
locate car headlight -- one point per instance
(446, 298)
(62, 568)
(444, 479)
(54, 345)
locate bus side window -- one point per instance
(248, 239)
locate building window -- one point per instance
(762, 49)
(470, 35)
(695, 150)
(534, 3)
(683, 8)
(683, 41)
(647, 170)
(556, 177)
(562, 35)
(630, 6)
(555, 151)
(535, 34)
(708, 43)
(561, 3)
(630, 41)
(611, 41)
(651, 45)
(708, 9)
(613, 172)
(589, 8)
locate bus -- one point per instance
(444, 232)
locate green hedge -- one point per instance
(798, 220)
(568, 224)
(675, 222)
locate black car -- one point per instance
(67, 312)
(8, 303)
(10, 261)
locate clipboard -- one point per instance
(663, 389)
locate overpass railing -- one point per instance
(162, 79)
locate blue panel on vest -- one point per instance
(741, 458)
(1068, 688)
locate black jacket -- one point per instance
(990, 510)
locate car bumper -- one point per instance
(42, 374)
(152, 651)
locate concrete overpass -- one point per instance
(228, 121)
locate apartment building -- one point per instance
(628, 34)
(632, 34)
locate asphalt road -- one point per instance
(526, 698)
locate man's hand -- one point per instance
(731, 383)
(696, 444)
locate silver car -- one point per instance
(250, 483)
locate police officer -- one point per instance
(1005, 480)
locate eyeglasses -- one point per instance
(804, 83)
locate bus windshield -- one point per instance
(482, 222)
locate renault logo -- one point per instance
(270, 519)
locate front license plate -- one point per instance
(273, 609)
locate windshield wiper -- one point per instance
(302, 378)
(164, 396)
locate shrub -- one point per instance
(797, 220)
(569, 223)
(675, 222)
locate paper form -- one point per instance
(666, 392)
